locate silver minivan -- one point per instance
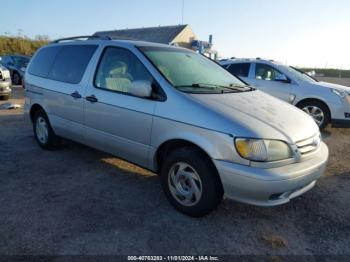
(172, 111)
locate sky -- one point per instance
(313, 33)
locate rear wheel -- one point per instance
(318, 111)
(16, 78)
(190, 182)
(43, 132)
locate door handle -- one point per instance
(75, 95)
(91, 99)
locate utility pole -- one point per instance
(182, 12)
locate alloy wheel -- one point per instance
(316, 113)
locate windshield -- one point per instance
(21, 60)
(299, 75)
(190, 72)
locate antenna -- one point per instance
(182, 12)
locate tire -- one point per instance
(320, 109)
(5, 97)
(43, 132)
(16, 78)
(194, 164)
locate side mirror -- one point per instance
(141, 88)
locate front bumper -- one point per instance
(341, 123)
(340, 115)
(273, 186)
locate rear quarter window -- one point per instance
(241, 69)
(66, 63)
(71, 62)
(43, 60)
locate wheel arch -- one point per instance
(34, 109)
(15, 71)
(167, 146)
(311, 99)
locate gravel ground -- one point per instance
(76, 200)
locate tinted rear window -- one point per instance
(71, 62)
(239, 69)
(62, 63)
(43, 60)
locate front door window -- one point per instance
(118, 69)
(268, 73)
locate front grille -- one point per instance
(309, 145)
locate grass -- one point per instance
(20, 45)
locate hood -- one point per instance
(334, 86)
(19, 66)
(262, 115)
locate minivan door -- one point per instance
(116, 121)
(58, 74)
(64, 88)
(268, 79)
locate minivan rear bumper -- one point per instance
(274, 186)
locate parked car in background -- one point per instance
(179, 114)
(324, 102)
(5, 83)
(17, 65)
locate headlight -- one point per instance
(263, 150)
(23, 69)
(342, 94)
(339, 93)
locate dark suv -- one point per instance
(17, 65)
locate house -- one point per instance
(181, 35)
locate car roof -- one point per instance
(247, 60)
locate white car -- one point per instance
(324, 102)
(5, 83)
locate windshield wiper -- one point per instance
(239, 87)
(199, 85)
(222, 89)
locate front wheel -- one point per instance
(43, 132)
(318, 111)
(190, 182)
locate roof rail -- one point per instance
(87, 37)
